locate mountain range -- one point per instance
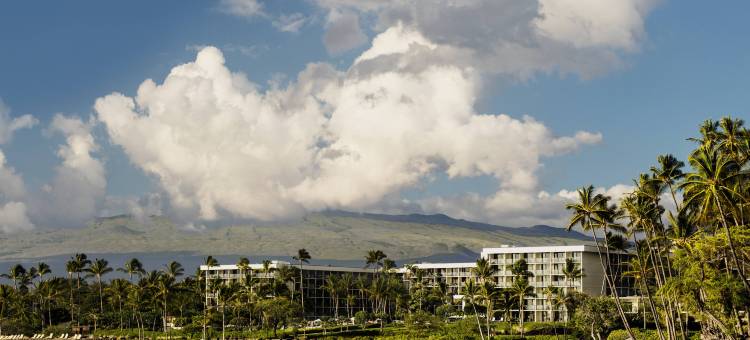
(335, 235)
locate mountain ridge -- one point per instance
(328, 235)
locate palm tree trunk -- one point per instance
(520, 311)
(101, 296)
(476, 316)
(612, 286)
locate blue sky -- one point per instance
(691, 63)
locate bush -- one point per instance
(444, 311)
(621, 334)
(360, 318)
(421, 323)
(596, 315)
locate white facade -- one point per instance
(546, 264)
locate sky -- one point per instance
(212, 111)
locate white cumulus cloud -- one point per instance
(77, 190)
(331, 139)
(9, 125)
(517, 38)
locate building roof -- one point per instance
(276, 264)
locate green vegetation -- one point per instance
(690, 264)
(692, 255)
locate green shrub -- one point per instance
(621, 334)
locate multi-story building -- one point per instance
(545, 263)
(317, 301)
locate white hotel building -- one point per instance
(546, 264)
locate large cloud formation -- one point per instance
(400, 114)
(329, 140)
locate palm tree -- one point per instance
(520, 268)
(118, 292)
(470, 294)
(668, 173)
(209, 262)
(15, 274)
(332, 287)
(483, 270)
(243, 264)
(733, 139)
(303, 256)
(374, 259)
(174, 270)
(49, 292)
(489, 293)
(164, 286)
(42, 269)
(710, 187)
(550, 292)
(521, 290)
(572, 272)
(589, 212)
(99, 268)
(346, 282)
(132, 267)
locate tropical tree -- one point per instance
(98, 269)
(15, 274)
(521, 290)
(333, 288)
(471, 294)
(572, 271)
(591, 212)
(41, 270)
(303, 256)
(174, 270)
(132, 267)
(374, 259)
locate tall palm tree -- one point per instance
(520, 268)
(587, 213)
(712, 186)
(521, 290)
(49, 292)
(243, 264)
(42, 269)
(164, 287)
(572, 272)
(483, 270)
(332, 287)
(174, 270)
(374, 259)
(733, 139)
(132, 267)
(489, 293)
(303, 256)
(209, 262)
(15, 273)
(118, 292)
(346, 283)
(98, 269)
(668, 173)
(470, 292)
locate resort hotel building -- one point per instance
(544, 263)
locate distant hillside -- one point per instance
(442, 219)
(329, 235)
